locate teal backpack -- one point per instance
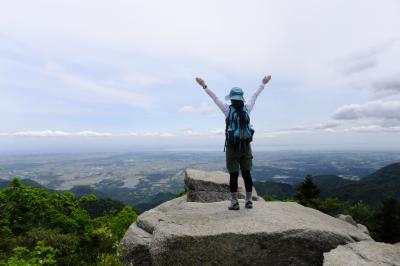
(238, 130)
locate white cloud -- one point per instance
(268, 29)
(218, 131)
(374, 69)
(210, 133)
(44, 133)
(278, 133)
(331, 130)
(84, 133)
(150, 134)
(190, 132)
(88, 133)
(387, 86)
(373, 116)
(166, 134)
(373, 128)
(327, 126)
(362, 60)
(384, 110)
(58, 133)
(157, 134)
(298, 128)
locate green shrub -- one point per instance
(68, 245)
(270, 198)
(40, 255)
(182, 193)
(330, 206)
(360, 212)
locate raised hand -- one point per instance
(201, 82)
(266, 79)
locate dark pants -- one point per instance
(248, 181)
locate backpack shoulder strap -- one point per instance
(232, 111)
(246, 109)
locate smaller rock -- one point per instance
(347, 218)
(364, 253)
(135, 246)
(204, 186)
(350, 220)
(363, 228)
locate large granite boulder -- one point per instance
(364, 253)
(179, 232)
(202, 186)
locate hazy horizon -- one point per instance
(47, 148)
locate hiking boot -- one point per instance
(235, 206)
(249, 204)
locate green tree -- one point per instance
(122, 221)
(386, 221)
(307, 192)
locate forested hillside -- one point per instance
(53, 228)
(371, 189)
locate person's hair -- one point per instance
(237, 103)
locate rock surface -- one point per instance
(179, 232)
(349, 219)
(204, 186)
(135, 246)
(364, 253)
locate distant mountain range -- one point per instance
(125, 195)
(371, 189)
(26, 181)
(121, 194)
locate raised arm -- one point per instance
(253, 98)
(223, 106)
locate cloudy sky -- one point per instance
(121, 73)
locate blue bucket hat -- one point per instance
(236, 93)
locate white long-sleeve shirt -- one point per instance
(225, 107)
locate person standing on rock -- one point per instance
(239, 134)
